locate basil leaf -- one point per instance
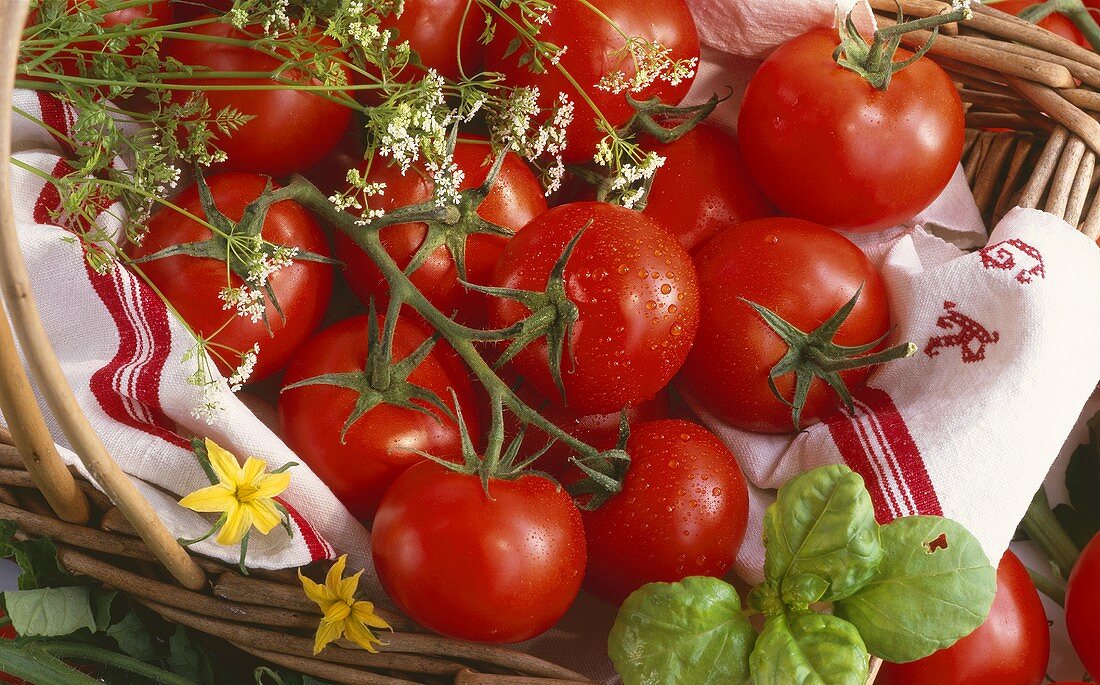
(688, 632)
(809, 649)
(820, 536)
(186, 658)
(934, 587)
(50, 612)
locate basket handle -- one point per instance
(16, 287)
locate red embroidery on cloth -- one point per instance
(969, 335)
(1006, 255)
(128, 387)
(876, 444)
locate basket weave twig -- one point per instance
(1039, 91)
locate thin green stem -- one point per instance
(1043, 528)
(83, 652)
(1075, 10)
(1055, 588)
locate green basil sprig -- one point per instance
(899, 592)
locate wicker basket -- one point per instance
(1035, 89)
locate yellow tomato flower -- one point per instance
(343, 614)
(245, 494)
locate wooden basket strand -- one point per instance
(16, 287)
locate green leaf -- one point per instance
(809, 649)
(688, 632)
(37, 560)
(50, 612)
(820, 537)
(102, 599)
(186, 658)
(134, 638)
(935, 586)
(1081, 517)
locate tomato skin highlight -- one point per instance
(594, 46)
(1012, 647)
(192, 284)
(707, 160)
(384, 442)
(824, 145)
(291, 130)
(636, 293)
(494, 570)
(1082, 604)
(682, 511)
(804, 273)
(515, 199)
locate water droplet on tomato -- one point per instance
(771, 238)
(650, 305)
(623, 268)
(672, 309)
(717, 492)
(676, 329)
(666, 289)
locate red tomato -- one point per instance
(804, 273)
(438, 30)
(188, 10)
(514, 199)
(154, 13)
(383, 442)
(707, 160)
(1056, 23)
(600, 431)
(1011, 648)
(682, 512)
(291, 130)
(826, 146)
(1082, 602)
(496, 567)
(637, 297)
(331, 173)
(193, 284)
(596, 49)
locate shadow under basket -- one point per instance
(1032, 141)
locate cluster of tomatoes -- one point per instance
(705, 285)
(704, 294)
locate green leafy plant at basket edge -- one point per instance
(822, 547)
(1081, 516)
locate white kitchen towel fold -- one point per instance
(124, 355)
(968, 427)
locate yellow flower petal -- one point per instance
(364, 613)
(317, 593)
(326, 633)
(264, 515)
(361, 635)
(337, 612)
(272, 484)
(210, 499)
(347, 587)
(252, 471)
(237, 523)
(332, 579)
(224, 463)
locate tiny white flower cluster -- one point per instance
(243, 372)
(356, 196)
(213, 390)
(277, 18)
(416, 124)
(248, 302)
(263, 265)
(629, 183)
(446, 179)
(513, 126)
(652, 63)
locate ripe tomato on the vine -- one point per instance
(707, 160)
(439, 31)
(1082, 605)
(290, 130)
(1011, 648)
(497, 566)
(360, 465)
(804, 273)
(682, 511)
(827, 146)
(637, 302)
(599, 430)
(194, 285)
(514, 199)
(595, 47)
